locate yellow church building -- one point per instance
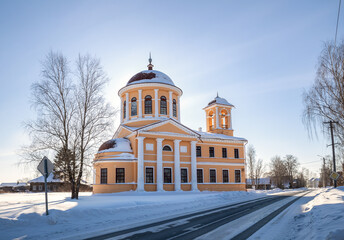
(153, 151)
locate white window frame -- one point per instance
(187, 175)
(202, 175)
(34, 188)
(228, 176)
(163, 176)
(240, 176)
(153, 174)
(215, 175)
(40, 187)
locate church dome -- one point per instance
(116, 145)
(219, 100)
(150, 76)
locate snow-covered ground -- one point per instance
(318, 215)
(22, 215)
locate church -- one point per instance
(153, 151)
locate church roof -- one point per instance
(219, 100)
(116, 145)
(150, 76)
(40, 179)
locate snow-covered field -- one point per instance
(22, 215)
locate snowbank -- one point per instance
(22, 215)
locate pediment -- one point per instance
(122, 132)
(169, 126)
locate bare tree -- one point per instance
(278, 171)
(324, 101)
(251, 163)
(72, 115)
(291, 165)
(259, 171)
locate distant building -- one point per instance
(262, 183)
(14, 187)
(54, 184)
(313, 183)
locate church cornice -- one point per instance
(138, 85)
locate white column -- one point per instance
(193, 167)
(217, 117)
(122, 110)
(156, 97)
(94, 175)
(230, 115)
(140, 159)
(127, 107)
(140, 103)
(171, 105)
(178, 110)
(159, 170)
(177, 179)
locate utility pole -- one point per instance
(323, 173)
(333, 151)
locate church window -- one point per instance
(198, 151)
(167, 148)
(212, 175)
(103, 176)
(133, 106)
(148, 104)
(124, 109)
(224, 152)
(225, 176)
(163, 105)
(211, 152)
(199, 175)
(149, 175)
(237, 176)
(174, 108)
(236, 153)
(120, 177)
(167, 175)
(184, 175)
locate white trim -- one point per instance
(115, 183)
(156, 107)
(140, 103)
(149, 147)
(215, 175)
(230, 183)
(153, 174)
(220, 163)
(202, 143)
(127, 107)
(104, 161)
(140, 85)
(178, 110)
(220, 158)
(171, 104)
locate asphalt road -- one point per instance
(197, 224)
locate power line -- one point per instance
(335, 38)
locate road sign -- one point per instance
(334, 175)
(41, 167)
(45, 167)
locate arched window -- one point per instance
(124, 109)
(133, 106)
(163, 105)
(174, 108)
(148, 104)
(167, 148)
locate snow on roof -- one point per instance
(41, 179)
(220, 100)
(219, 136)
(13, 184)
(116, 145)
(150, 76)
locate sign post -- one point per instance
(45, 167)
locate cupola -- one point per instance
(219, 116)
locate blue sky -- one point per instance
(259, 55)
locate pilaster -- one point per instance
(140, 103)
(159, 169)
(140, 159)
(156, 97)
(193, 167)
(177, 178)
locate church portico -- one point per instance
(153, 151)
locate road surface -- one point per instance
(240, 221)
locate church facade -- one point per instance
(153, 151)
